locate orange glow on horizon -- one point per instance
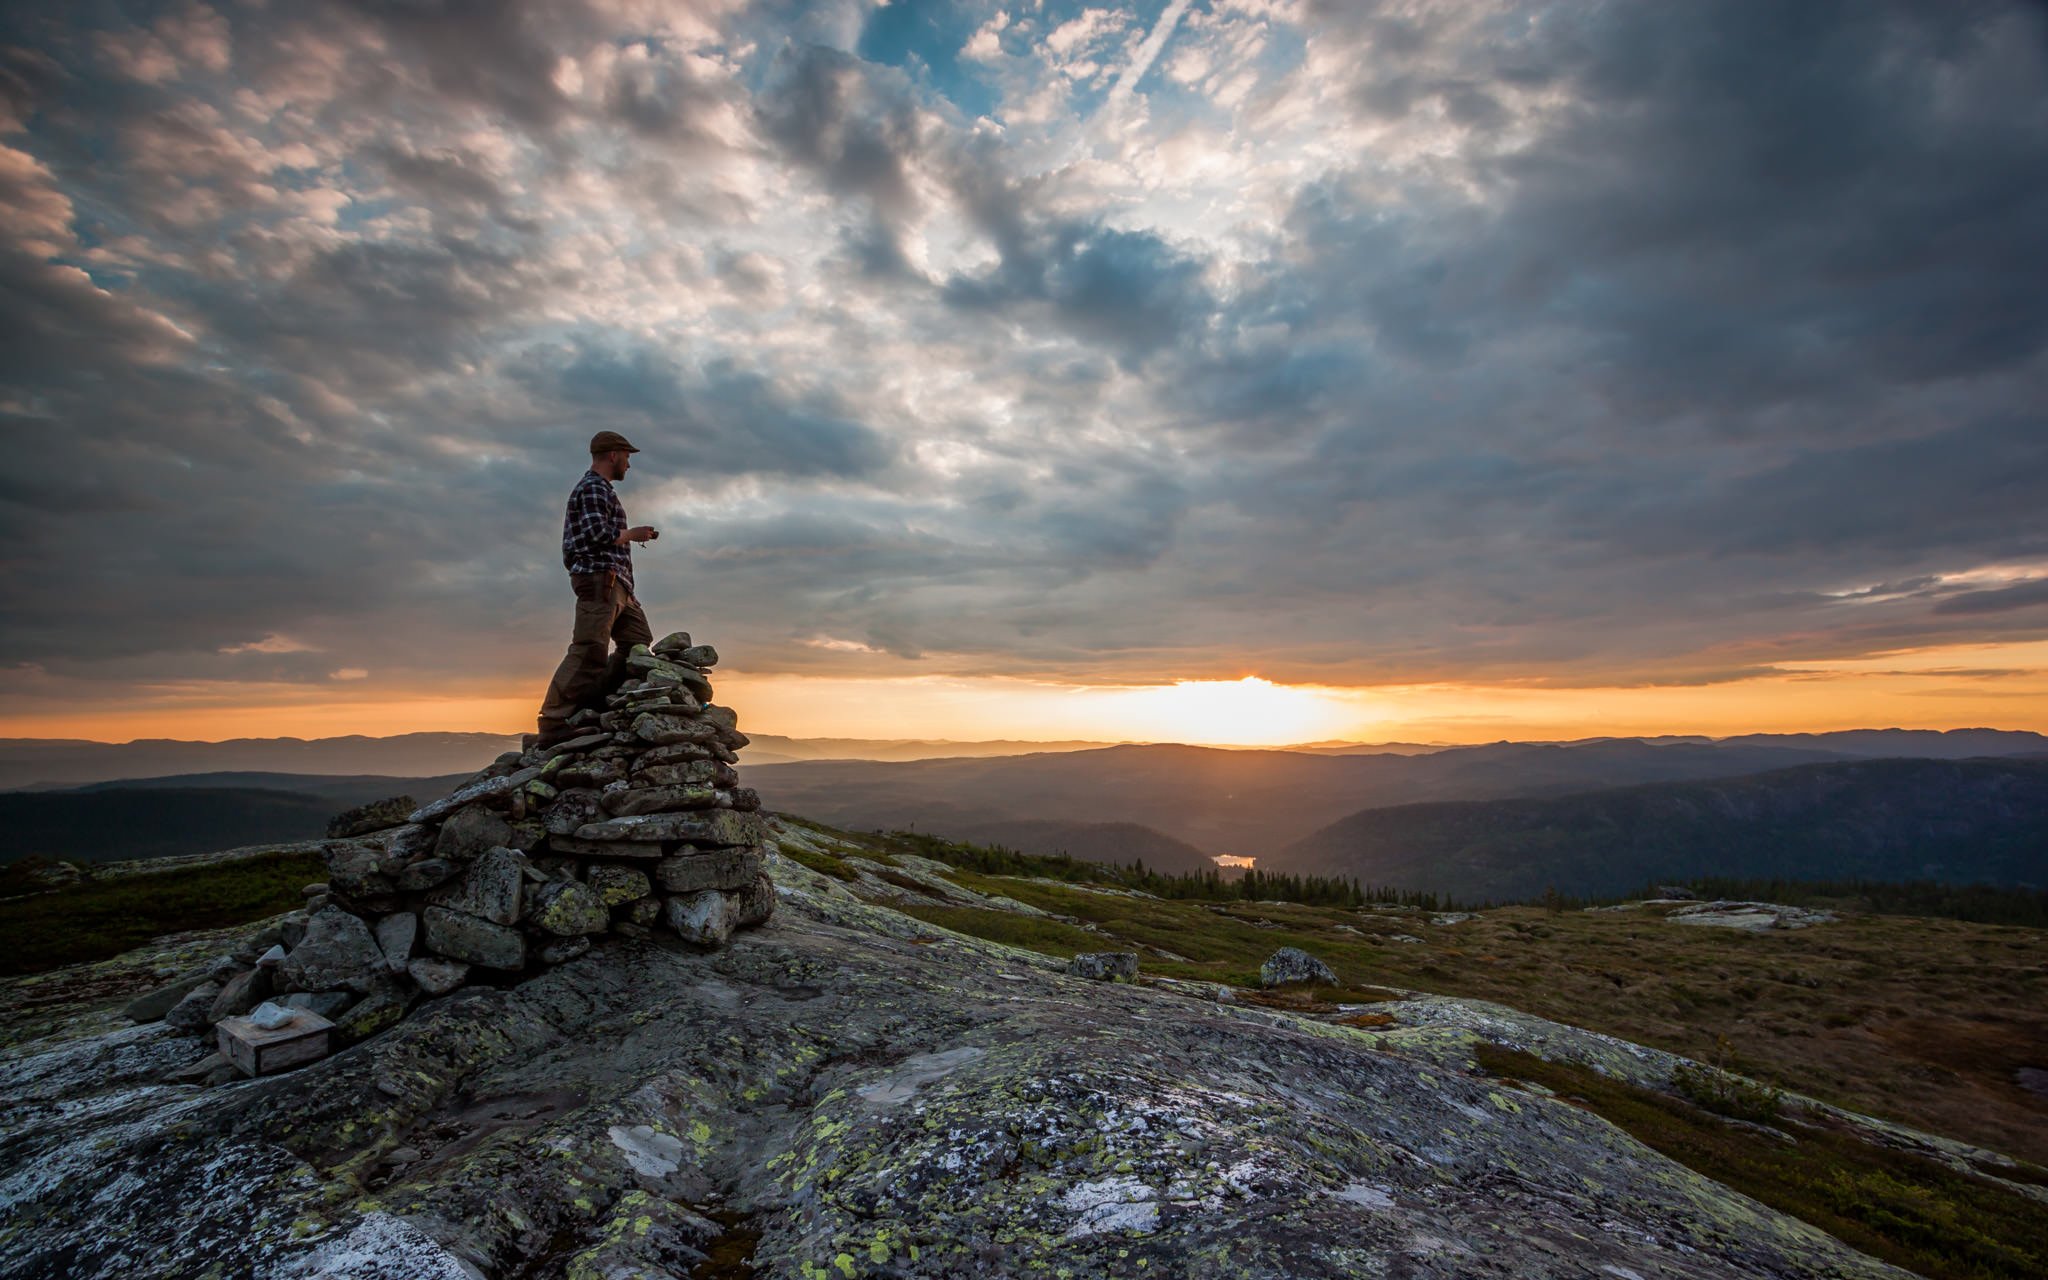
(2002, 686)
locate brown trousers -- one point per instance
(605, 612)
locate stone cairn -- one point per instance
(635, 825)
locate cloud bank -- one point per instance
(1347, 343)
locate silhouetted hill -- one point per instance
(344, 792)
(50, 762)
(1221, 801)
(107, 826)
(1949, 821)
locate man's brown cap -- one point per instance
(607, 441)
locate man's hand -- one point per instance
(638, 533)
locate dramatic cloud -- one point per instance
(1666, 344)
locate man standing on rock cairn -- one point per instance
(597, 552)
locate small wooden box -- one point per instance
(257, 1052)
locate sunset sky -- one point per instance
(1233, 371)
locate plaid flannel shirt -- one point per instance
(591, 528)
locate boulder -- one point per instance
(195, 1011)
(607, 848)
(1291, 965)
(152, 1006)
(414, 840)
(358, 869)
(642, 913)
(704, 772)
(242, 993)
(594, 775)
(754, 904)
(1105, 966)
(437, 977)
(327, 1004)
(484, 788)
(673, 642)
(573, 809)
(569, 908)
(562, 950)
(709, 828)
(418, 877)
(699, 655)
(469, 833)
(704, 918)
(582, 742)
(378, 815)
(669, 730)
(695, 872)
(490, 889)
(622, 804)
(467, 938)
(373, 1013)
(395, 936)
(337, 951)
(616, 886)
(679, 753)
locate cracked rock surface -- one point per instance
(869, 1095)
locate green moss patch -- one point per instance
(1904, 1208)
(98, 919)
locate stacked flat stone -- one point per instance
(635, 825)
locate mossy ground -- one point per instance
(102, 918)
(1895, 1205)
(1922, 1021)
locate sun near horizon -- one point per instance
(1935, 689)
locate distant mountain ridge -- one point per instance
(47, 762)
(1224, 801)
(39, 763)
(1967, 821)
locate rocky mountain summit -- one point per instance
(636, 824)
(850, 1091)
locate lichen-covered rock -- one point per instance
(1291, 965)
(706, 918)
(698, 870)
(568, 908)
(562, 950)
(241, 993)
(574, 808)
(395, 935)
(457, 936)
(471, 832)
(377, 815)
(616, 886)
(194, 1010)
(659, 800)
(699, 655)
(642, 849)
(486, 788)
(380, 1009)
(1105, 966)
(437, 977)
(701, 772)
(924, 1112)
(358, 868)
(418, 877)
(712, 828)
(337, 951)
(153, 1005)
(490, 888)
(665, 730)
(328, 1004)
